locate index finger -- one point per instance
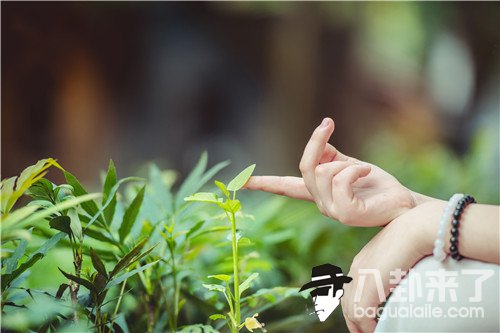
(292, 187)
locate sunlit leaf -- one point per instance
(222, 277)
(241, 179)
(204, 197)
(217, 316)
(215, 287)
(246, 284)
(223, 188)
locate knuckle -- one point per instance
(321, 169)
(337, 181)
(304, 166)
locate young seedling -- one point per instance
(230, 205)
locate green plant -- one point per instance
(134, 256)
(66, 206)
(231, 206)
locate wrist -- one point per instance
(423, 220)
(419, 198)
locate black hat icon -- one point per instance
(335, 273)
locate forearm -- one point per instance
(479, 230)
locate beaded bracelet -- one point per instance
(455, 223)
(439, 244)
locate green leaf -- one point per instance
(99, 283)
(81, 281)
(8, 278)
(11, 263)
(223, 188)
(232, 206)
(190, 185)
(7, 190)
(75, 224)
(197, 178)
(196, 227)
(108, 185)
(63, 192)
(160, 183)
(213, 229)
(130, 215)
(246, 284)
(60, 291)
(43, 189)
(89, 206)
(61, 223)
(111, 197)
(125, 276)
(98, 235)
(244, 241)
(41, 203)
(241, 179)
(217, 316)
(23, 217)
(204, 197)
(26, 179)
(222, 277)
(197, 328)
(97, 263)
(32, 259)
(125, 261)
(215, 287)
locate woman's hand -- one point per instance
(398, 246)
(343, 188)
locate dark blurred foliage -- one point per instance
(138, 81)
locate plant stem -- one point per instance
(236, 275)
(118, 302)
(173, 320)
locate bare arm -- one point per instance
(479, 231)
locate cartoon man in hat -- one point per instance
(328, 281)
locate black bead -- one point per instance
(453, 248)
(454, 232)
(455, 223)
(453, 239)
(457, 213)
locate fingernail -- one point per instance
(324, 123)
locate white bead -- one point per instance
(439, 255)
(439, 243)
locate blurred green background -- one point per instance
(413, 87)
